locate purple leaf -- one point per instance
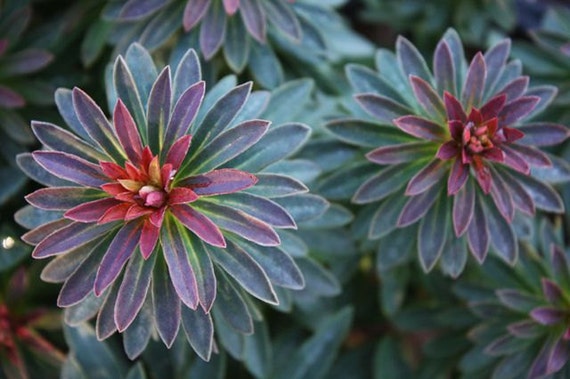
(552, 291)
(61, 198)
(506, 344)
(219, 182)
(449, 149)
(184, 113)
(444, 68)
(230, 144)
(176, 256)
(70, 167)
(559, 264)
(127, 133)
(262, 208)
(105, 326)
(213, 29)
(158, 109)
(69, 237)
(10, 98)
(199, 330)
(432, 234)
(426, 177)
(95, 123)
(428, 98)
(178, 151)
(25, 62)
(474, 85)
(204, 271)
(133, 290)
(119, 251)
(199, 224)
(410, 60)
(382, 108)
(137, 9)
(501, 196)
(417, 206)
(59, 269)
(166, 304)
(521, 199)
(463, 208)
(420, 127)
(543, 134)
(545, 93)
(539, 368)
(220, 115)
(80, 283)
(558, 355)
(514, 160)
(36, 235)
(502, 235)
(91, 211)
(478, 234)
(492, 107)
(495, 59)
(453, 108)
(517, 109)
(531, 155)
(253, 17)
(274, 185)
(525, 329)
(246, 271)
(458, 176)
(194, 11)
(542, 194)
(58, 139)
(400, 153)
(548, 315)
(515, 89)
(239, 222)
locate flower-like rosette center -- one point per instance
(477, 138)
(152, 196)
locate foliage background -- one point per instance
(358, 319)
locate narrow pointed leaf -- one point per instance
(543, 134)
(428, 98)
(69, 237)
(420, 127)
(262, 208)
(199, 330)
(230, 144)
(444, 68)
(158, 109)
(127, 133)
(133, 291)
(463, 208)
(382, 108)
(213, 29)
(176, 256)
(478, 233)
(283, 17)
(194, 11)
(385, 182)
(183, 114)
(127, 88)
(495, 60)
(166, 303)
(474, 85)
(410, 60)
(71, 168)
(118, 253)
(274, 185)
(204, 271)
(240, 266)
(432, 234)
(253, 17)
(219, 182)
(231, 306)
(502, 235)
(199, 224)
(428, 176)
(62, 198)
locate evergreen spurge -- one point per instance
(156, 213)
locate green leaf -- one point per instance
(264, 66)
(231, 306)
(238, 263)
(257, 352)
(95, 358)
(137, 372)
(304, 207)
(366, 133)
(278, 143)
(315, 356)
(389, 362)
(236, 45)
(318, 281)
(432, 233)
(137, 335)
(288, 100)
(199, 330)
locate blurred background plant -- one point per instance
(367, 310)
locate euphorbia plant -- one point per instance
(455, 148)
(152, 210)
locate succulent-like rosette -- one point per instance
(153, 216)
(456, 150)
(22, 346)
(524, 327)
